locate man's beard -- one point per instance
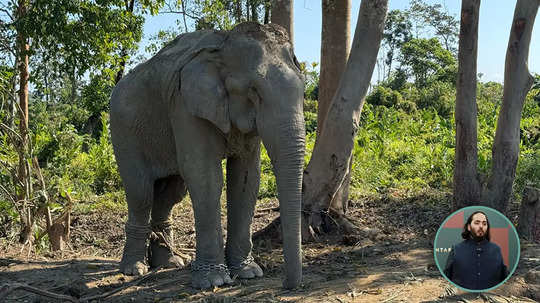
(478, 238)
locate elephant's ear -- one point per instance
(201, 89)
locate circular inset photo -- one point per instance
(476, 248)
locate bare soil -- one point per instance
(390, 261)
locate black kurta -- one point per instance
(476, 265)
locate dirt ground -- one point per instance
(391, 261)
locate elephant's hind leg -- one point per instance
(139, 196)
(167, 192)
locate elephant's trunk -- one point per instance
(288, 159)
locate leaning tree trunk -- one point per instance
(282, 14)
(517, 82)
(329, 163)
(466, 184)
(335, 48)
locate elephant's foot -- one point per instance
(160, 251)
(134, 257)
(204, 275)
(132, 267)
(161, 256)
(246, 269)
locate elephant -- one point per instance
(207, 96)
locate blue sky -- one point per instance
(494, 30)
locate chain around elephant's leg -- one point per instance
(246, 269)
(205, 275)
(134, 256)
(161, 253)
(243, 174)
(160, 250)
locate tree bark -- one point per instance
(335, 49)
(267, 7)
(23, 170)
(529, 215)
(331, 156)
(254, 12)
(466, 185)
(282, 14)
(517, 82)
(237, 10)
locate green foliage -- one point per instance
(101, 155)
(96, 94)
(70, 161)
(81, 35)
(437, 19)
(395, 149)
(427, 61)
(397, 31)
(384, 96)
(439, 96)
(225, 14)
(310, 120)
(268, 187)
(311, 76)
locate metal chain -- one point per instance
(249, 259)
(208, 267)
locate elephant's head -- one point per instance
(249, 79)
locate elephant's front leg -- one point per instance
(243, 177)
(204, 178)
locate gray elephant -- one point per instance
(206, 96)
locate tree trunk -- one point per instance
(466, 184)
(237, 10)
(282, 14)
(123, 51)
(332, 153)
(335, 48)
(23, 170)
(529, 215)
(254, 12)
(267, 7)
(517, 82)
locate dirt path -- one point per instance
(386, 266)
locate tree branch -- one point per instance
(9, 288)
(180, 12)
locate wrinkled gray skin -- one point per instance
(207, 96)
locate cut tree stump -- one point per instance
(529, 215)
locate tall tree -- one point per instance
(23, 194)
(282, 14)
(335, 48)
(444, 25)
(397, 31)
(466, 184)
(517, 82)
(330, 161)
(426, 60)
(53, 39)
(123, 51)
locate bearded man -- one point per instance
(476, 263)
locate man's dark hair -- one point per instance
(467, 234)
